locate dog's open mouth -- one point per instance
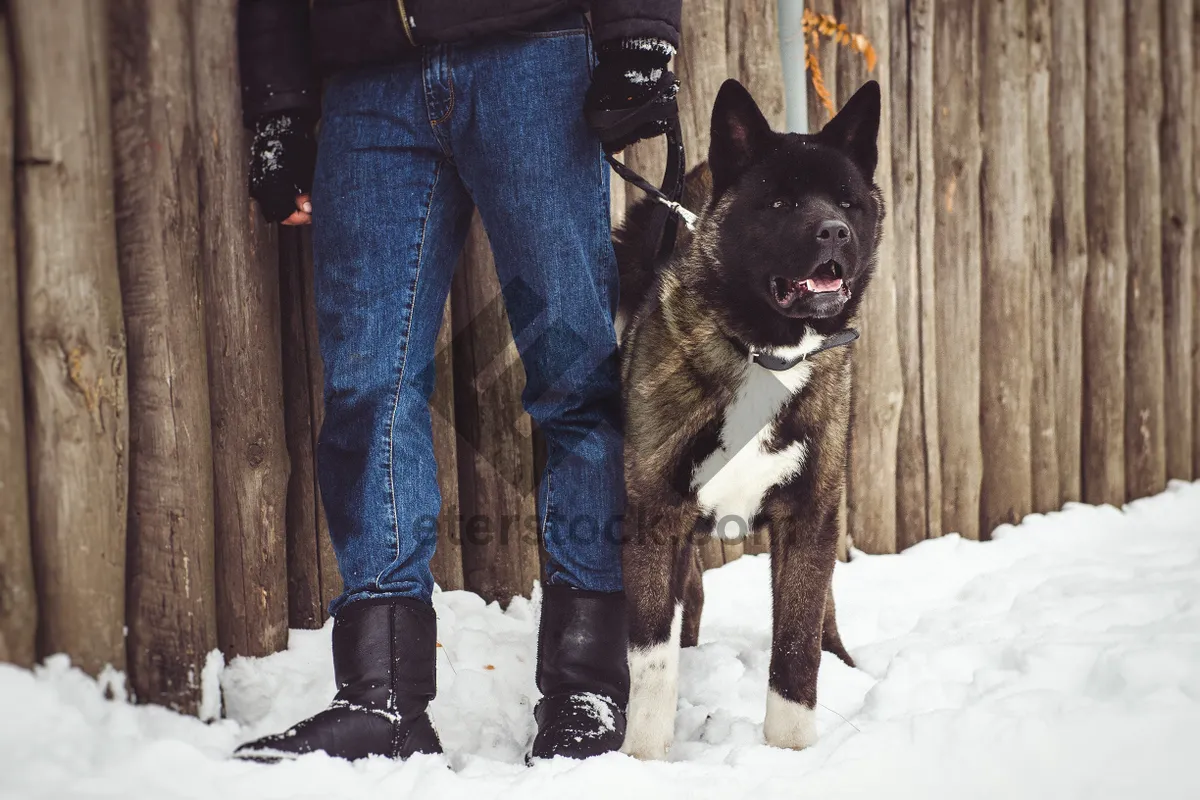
(827, 278)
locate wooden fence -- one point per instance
(1030, 338)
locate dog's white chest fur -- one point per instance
(731, 482)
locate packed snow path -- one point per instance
(1060, 660)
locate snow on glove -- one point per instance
(631, 73)
(283, 155)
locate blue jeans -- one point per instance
(406, 152)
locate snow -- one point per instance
(1060, 660)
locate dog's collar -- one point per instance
(779, 364)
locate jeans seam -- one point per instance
(549, 494)
(565, 33)
(391, 444)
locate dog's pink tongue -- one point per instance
(823, 284)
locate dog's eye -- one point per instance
(844, 204)
(782, 204)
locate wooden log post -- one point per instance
(18, 603)
(1145, 441)
(918, 467)
(702, 67)
(1196, 253)
(920, 32)
(1046, 491)
(956, 260)
(331, 578)
(648, 158)
(1068, 233)
(878, 385)
(1006, 383)
(753, 55)
(754, 58)
(1178, 159)
(616, 196)
(447, 562)
(1103, 438)
(306, 607)
(170, 611)
(241, 271)
(495, 456)
(74, 336)
(902, 208)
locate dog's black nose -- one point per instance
(833, 231)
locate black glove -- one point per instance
(631, 76)
(283, 155)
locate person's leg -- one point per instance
(389, 217)
(537, 174)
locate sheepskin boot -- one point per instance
(384, 661)
(582, 672)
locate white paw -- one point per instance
(653, 696)
(649, 739)
(789, 724)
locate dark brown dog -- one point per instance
(737, 394)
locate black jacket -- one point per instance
(285, 46)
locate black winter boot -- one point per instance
(583, 673)
(385, 662)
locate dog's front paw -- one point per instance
(788, 724)
(653, 696)
(648, 738)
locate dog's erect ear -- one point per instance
(855, 129)
(739, 134)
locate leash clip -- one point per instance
(689, 219)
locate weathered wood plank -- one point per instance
(1006, 383)
(1178, 154)
(876, 374)
(170, 611)
(1145, 442)
(1103, 439)
(18, 601)
(1043, 435)
(495, 447)
(305, 603)
(73, 332)
(918, 468)
(447, 562)
(702, 67)
(241, 270)
(1068, 233)
(956, 260)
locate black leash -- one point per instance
(778, 364)
(664, 221)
